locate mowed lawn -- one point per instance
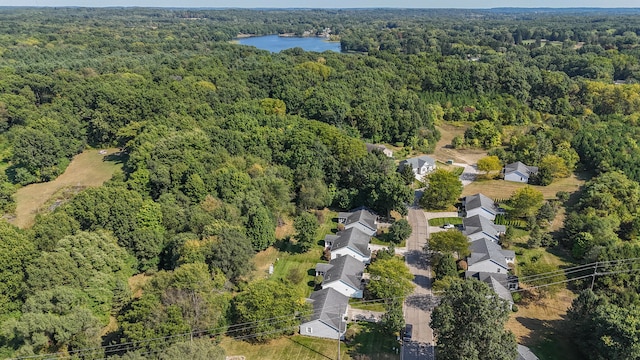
(290, 347)
(88, 169)
(502, 190)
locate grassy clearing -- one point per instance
(539, 324)
(89, 169)
(371, 341)
(290, 347)
(289, 263)
(500, 189)
(445, 220)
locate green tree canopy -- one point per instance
(450, 241)
(306, 225)
(525, 202)
(469, 324)
(400, 231)
(443, 189)
(390, 278)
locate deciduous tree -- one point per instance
(443, 189)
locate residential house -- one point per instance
(524, 353)
(477, 227)
(488, 256)
(329, 313)
(352, 241)
(421, 166)
(518, 172)
(501, 284)
(361, 218)
(378, 147)
(343, 274)
(480, 204)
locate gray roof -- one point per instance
(345, 268)
(354, 239)
(480, 201)
(323, 267)
(371, 147)
(497, 282)
(524, 353)
(329, 306)
(360, 215)
(485, 249)
(476, 223)
(418, 162)
(520, 168)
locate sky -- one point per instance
(476, 4)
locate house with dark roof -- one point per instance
(421, 166)
(329, 313)
(378, 147)
(499, 283)
(343, 274)
(488, 256)
(480, 204)
(518, 172)
(352, 241)
(477, 227)
(361, 218)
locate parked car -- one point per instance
(407, 333)
(448, 226)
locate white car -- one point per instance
(448, 226)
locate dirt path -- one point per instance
(88, 169)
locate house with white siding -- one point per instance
(362, 218)
(343, 274)
(487, 256)
(501, 284)
(482, 205)
(329, 312)
(421, 166)
(353, 242)
(477, 227)
(518, 172)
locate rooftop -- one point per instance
(329, 306)
(345, 268)
(352, 238)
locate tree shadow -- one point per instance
(118, 157)
(423, 302)
(417, 258)
(541, 329)
(422, 281)
(285, 245)
(418, 350)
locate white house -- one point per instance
(518, 172)
(343, 274)
(477, 227)
(421, 166)
(487, 256)
(480, 204)
(329, 313)
(378, 147)
(352, 242)
(361, 218)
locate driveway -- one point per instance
(364, 315)
(417, 306)
(469, 174)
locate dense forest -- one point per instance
(222, 143)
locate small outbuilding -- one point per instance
(519, 172)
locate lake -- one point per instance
(275, 43)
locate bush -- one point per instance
(514, 308)
(326, 254)
(517, 297)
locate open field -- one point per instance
(500, 189)
(444, 151)
(539, 324)
(88, 169)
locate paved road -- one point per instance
(417, 307)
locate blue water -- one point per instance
(275, 43)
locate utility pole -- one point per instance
(593, 278)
